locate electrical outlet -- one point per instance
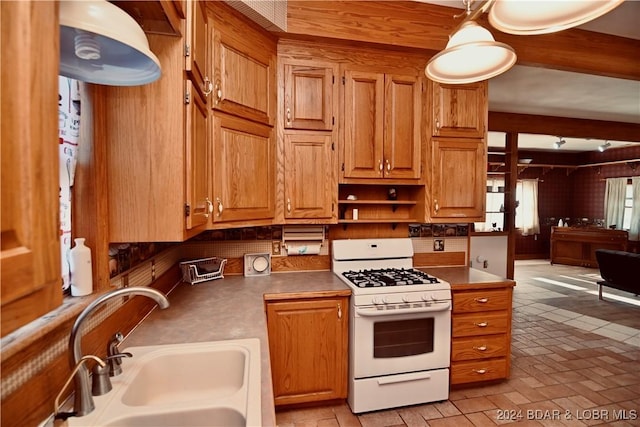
(276, 247)
(485, 264)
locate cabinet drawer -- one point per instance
(479, 347)
(466, 325)
(478, 370)
(473, 301)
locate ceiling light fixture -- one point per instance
(559, 143)
(543, 17)
(473, 55)
(604, 146)
(102, 44)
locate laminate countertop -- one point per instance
(461, 278)
(228, 309)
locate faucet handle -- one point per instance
(114, 361)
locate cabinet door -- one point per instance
(308, 97)
(243, 169)
(30, 256)
(244, 67)
(196, 46)
(308, 347)
(458, 180)
(403, 112)
(310, 190)
(460, 110)
(197, 158)
(363, 124)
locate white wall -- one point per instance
(493, 250)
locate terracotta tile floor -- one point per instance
(575, 362)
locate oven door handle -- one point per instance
(375, 313)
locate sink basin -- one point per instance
(214, 417)
(214, 383)
(179, 376)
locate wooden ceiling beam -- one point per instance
(427, 27)
(563, 126)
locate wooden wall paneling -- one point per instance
(435, 259)
(511, 178)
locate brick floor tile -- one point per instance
(428, 412)
(384, 418)
(456, 421)
(447, 409)
(517, 398)
(476, 404)
(411, 417)
(480, 419)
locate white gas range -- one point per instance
(400, 325)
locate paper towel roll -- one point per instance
(303, 248)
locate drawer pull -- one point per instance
(480, 371)
(482, 324)
(481, 348)
(482, 300)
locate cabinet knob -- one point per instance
(380, 166)
(436, 206)
(220, 207)
(482, 324)
(208, 86)
(218, 93)
(388, 166)
(288, 116)
(339, 311)
(482, 300)
(480, 371)
(437, 125)
(288, 205)
(209, 208)
(480, 348)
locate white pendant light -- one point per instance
(526, 17)
(472, 55)
(102, 44)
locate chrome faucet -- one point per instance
(83, 402)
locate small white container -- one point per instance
(355, 214)
(80, 269)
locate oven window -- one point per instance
(403, 338)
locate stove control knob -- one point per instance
(428, 298)
(405, 298)
(379, 300)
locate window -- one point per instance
(527, 219)
(628, 205)
(494, 215)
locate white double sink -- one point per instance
(197, 384)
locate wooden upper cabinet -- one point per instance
(155, 137)
(460, 110)
(309, 96)
(197, 47)
(310, 187)
(30, 256)
(244, 68)
(198, 192)
(458, 180)
(243, 169)
(382, 118)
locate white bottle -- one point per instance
(560, 223)
(80, 269)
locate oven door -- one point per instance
(400, 338)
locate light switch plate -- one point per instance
(258, 264)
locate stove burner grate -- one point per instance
(389, 277)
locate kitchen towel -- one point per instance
(303, 248)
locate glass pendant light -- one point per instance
(472, 55)
(527, 17)
(102, 44)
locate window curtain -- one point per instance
(634, 230)
(68, 134)
(527, 218)
(614, 196)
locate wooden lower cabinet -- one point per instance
(481, 334)
(308, 347)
